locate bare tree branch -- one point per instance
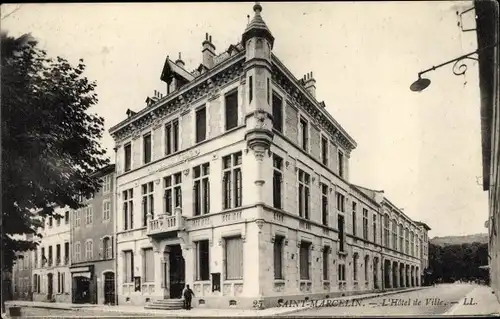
(17, 8)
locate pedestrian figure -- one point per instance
(188, 294)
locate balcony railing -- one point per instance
(165, 224)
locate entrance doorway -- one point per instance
(109, 288)
(81, 289)
(50, 285)
(177, 271)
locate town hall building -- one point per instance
(236, 182)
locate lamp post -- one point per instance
(459, 68)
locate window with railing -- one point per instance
(304, 193)
(201, 189)
(147, 202)
(232, 181)
(172, 193)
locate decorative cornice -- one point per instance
(207, 85)
(299, 97)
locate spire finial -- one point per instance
(257, 8)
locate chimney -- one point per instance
(208, 52)
(310, 83)
(179, 61)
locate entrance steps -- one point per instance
(166, 304)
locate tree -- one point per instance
(50, 142)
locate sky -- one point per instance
(423, 149)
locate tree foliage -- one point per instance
(458, 262)
(50, 142)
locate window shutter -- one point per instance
(111, 247)
(101, 255)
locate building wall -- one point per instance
(21, 276)
(51, 236)
(98, 230)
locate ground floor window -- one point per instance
(234, 258)
(304, 260)
(202, 260)
(128, 264)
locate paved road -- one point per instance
(433, 301)
(28, 312)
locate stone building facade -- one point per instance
(22, 273)
(237, 183)
(51, 279)
(487, 21)
(92, 239)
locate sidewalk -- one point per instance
(483, 302)
(195, 312)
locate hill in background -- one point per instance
(458, 240)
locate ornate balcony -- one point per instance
(166, 225)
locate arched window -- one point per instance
(78, 255)
(386, 230)
(412, 243)
(394, 234)
(401, 238)
(407, 239)
(107, 248)
(89, 249)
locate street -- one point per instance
(433, 301)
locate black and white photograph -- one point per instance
(250, 159)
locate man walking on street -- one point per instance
(188, 294)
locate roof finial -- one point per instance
(257, 8)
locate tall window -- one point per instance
(172, 137)
(386, 230)
(277, 112)
(129, 266)
(66, 253)
(106, 184)
(394, 234)
(202, 260)
(35, 256)
(367, 260)
(324, 151)
(341, 225)
(268, 91)
(58, 254)
(326, 264)
(412, 245)
(365, 224)
(231, 108)
(128, 209)
(88, 215)
(341, 273)
(78, 215)
(250, 89)
(304, 260)
(172, 194)
(340, 202)
(324, 204)
(278, 257)
(407, 241)
(50, 256)
(89, 250)
(354, 219)
(147, 202)
(149, 265)
(401, 238)
(232, 184)
(304, 134)
(106, 210)
(66, 217)
(340, 163)
(201, 124)
(107, 248)
(44, 258)
(277, 181)
(304, 194)
(355, 267)
(146, 148)
(201, 189)
(128, 156)
(51, 221)
(78, 252)
(233, 258)
(374, 225)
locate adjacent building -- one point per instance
(21, 274)
(51, 279)
(487, 21)
(237, 183)
(92, 236)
